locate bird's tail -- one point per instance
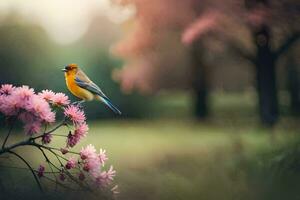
(108, 103)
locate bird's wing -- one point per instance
(83, 81)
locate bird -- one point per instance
(82, 87)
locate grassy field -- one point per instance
(185, 160)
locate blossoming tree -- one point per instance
(194, 25)
(157, 53)
(38, 113)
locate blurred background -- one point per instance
(209, 90)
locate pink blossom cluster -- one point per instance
(93, 163)
(58, 99)
(23, 103)
(90, 163)
(77, 116)
(71, 163)
(37, 110)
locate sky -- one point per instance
(64, 20)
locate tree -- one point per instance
(158, 21)
(159, 52)
(267, 21)
(293, 81)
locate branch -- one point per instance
(287, 44)
(9, 132)
(63, 123)
(30, 168)
(52, 148)
(60, 184)
(46, 172)
(23, 168)
(23, 143)
(241, 51)
(67, 172)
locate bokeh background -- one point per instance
(209, 90)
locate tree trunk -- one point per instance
(199, 82)
(266, 77)
(293, 84)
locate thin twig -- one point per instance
(22, 143)
(49, 163)
(29, 167)
(55, 177)
(23, 168)
(51, 131)
(9, 132)
(56, 182)
(47, 159)
(59, 135)
(57, 149)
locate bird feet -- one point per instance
(78, 103)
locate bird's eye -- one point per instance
(68, 68)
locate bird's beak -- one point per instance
(64, 70)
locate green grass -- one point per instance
(148, 141)
(175, 159)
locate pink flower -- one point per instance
(6, 89)
(71, 163)
(106, 177)
(2, 104)
(79, 133)
(46, 139)
(91, 160)
(14, 100)
(32, 128)
(92, 165)
(81, 130)
(26, 117)
(60, 99)
(41, 109)
(74, 114)
(41, 171)
(88, 152)
(17, 100)
(102, 156)
(48, 95)
(48, 117)
(24, 92)
(10, 105)
(72, 140)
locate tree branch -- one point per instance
(29, 167)
(23, 143)
(287, 44)
(51, 131)
(9, 132)
(241, 51)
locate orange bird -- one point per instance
(82, 87)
